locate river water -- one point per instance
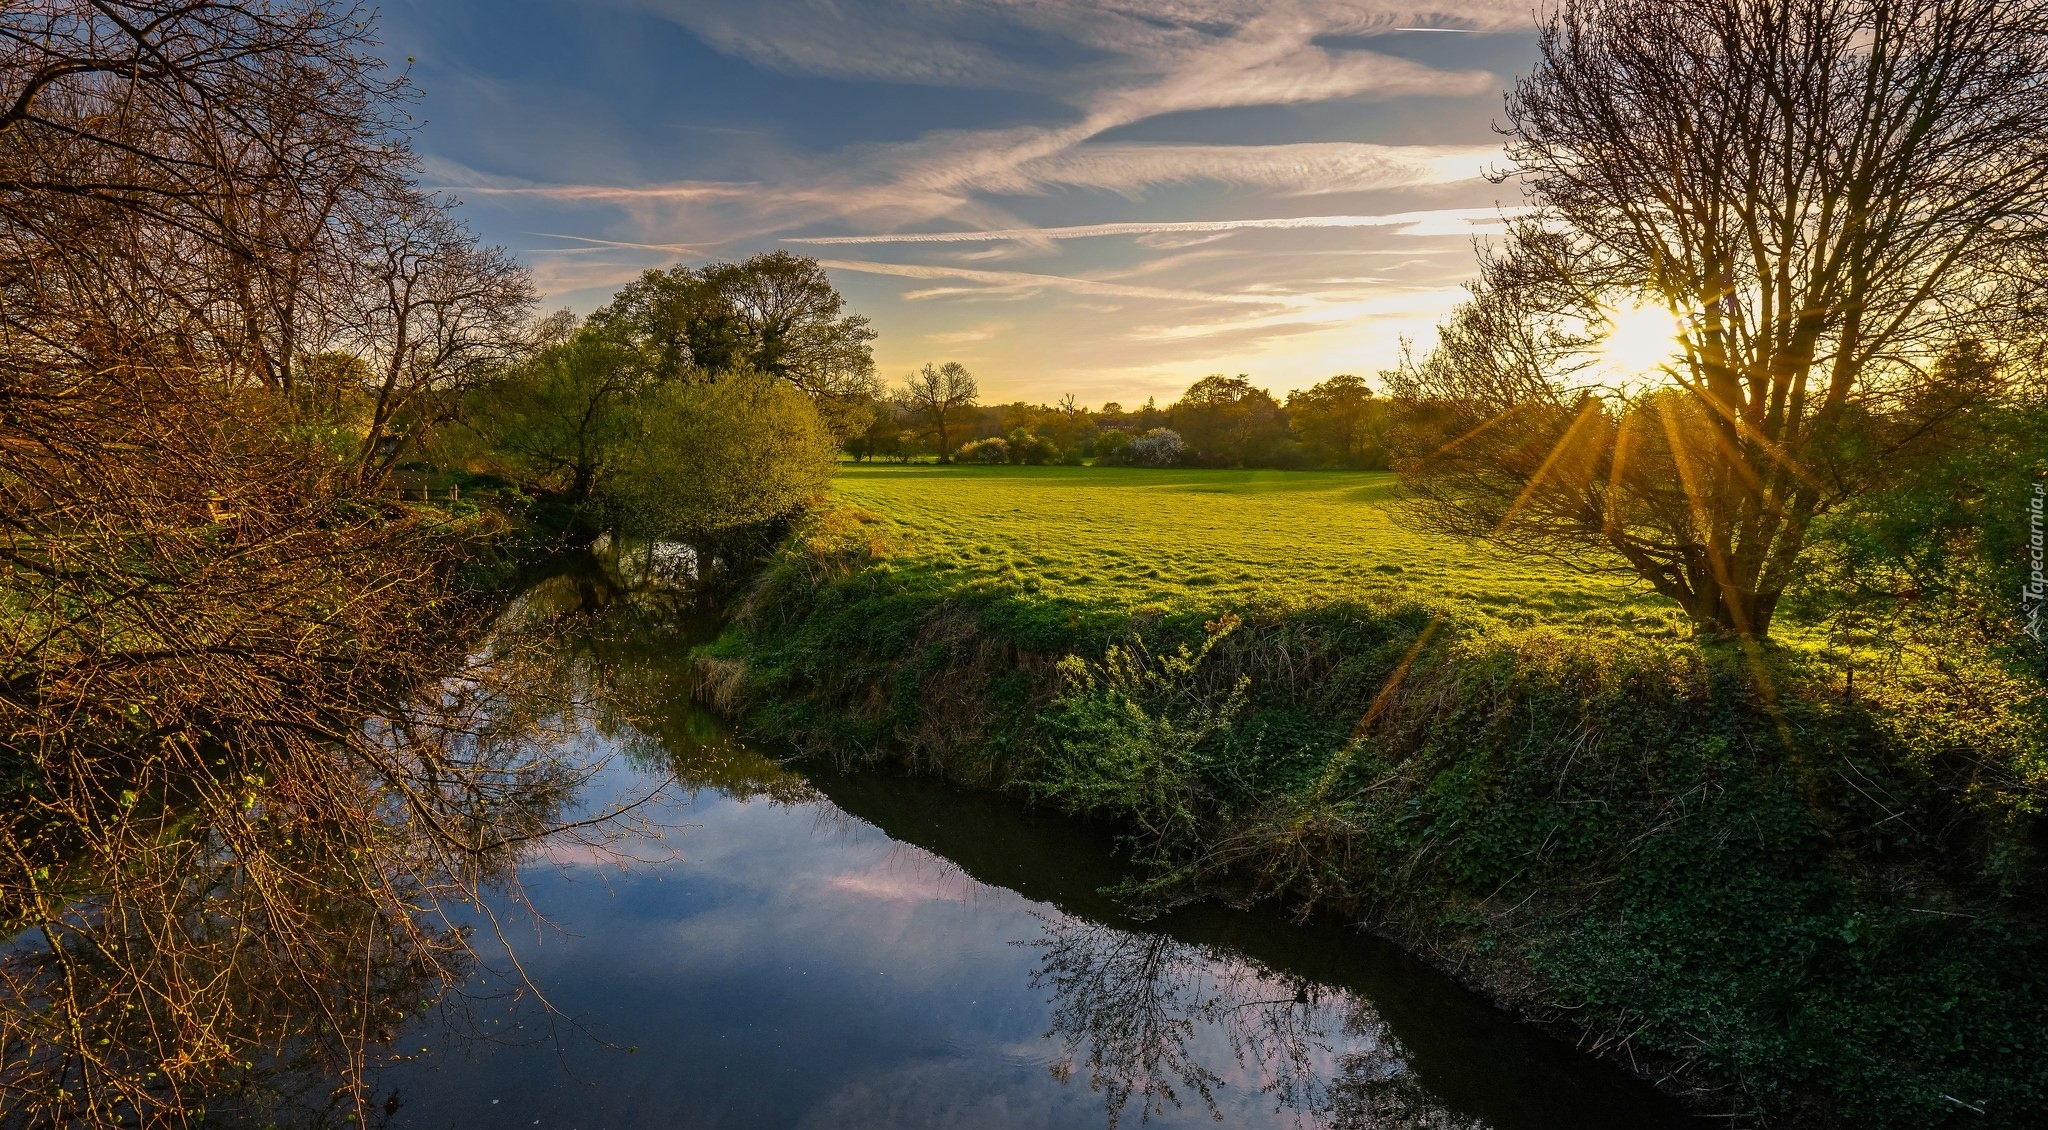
(805, 948)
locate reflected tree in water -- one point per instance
(239, 929)
(618, 628)
(1158, 1023)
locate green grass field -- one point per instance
(1126, 538)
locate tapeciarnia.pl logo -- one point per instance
(2034, 593)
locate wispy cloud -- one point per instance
(1298, 169)
(967, 336)
(1005, 43)
(1440, 221)
(1092, 76)
(617, 193)
(1011, 281)
(673, 248)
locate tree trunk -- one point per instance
(1724, 613)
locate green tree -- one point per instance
(775, 313)
(563, 417)
(1229, 422)
(1341, 423)
(703, 460)
(1069, 425)
(1947, 543)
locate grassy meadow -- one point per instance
(1130, 540)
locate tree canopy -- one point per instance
(775, 313)
(706, 459)
(1341, 424)
(1230, 422)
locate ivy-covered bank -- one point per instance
(1804, 898)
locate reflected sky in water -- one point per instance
(777, 964)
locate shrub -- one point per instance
(1160, 447)
(709, 458)
(993, 450)
(1026, 449)
(1110, 443)
(1032, 450)
(1122, 738)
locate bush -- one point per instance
(1160, 447)
(1122, 739)
(704, 459)
(984, 451)
(1032, 450)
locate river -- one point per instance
(791, 946)
(551, 890)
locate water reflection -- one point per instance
(858, 949)
(216, 934)
(493, 921)
(1142, 1013)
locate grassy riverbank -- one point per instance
(1805, 900)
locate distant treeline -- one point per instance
(1220, 421)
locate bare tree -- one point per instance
(1822, 194)
(434, 312)
(201, 606)
(937, 397)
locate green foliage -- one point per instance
(775, 313)
(1341, 424)
(1943, 546)
(1123, 738)
(1229, 422)
(983, 451)
(1032, 450)
(562, 418)
(707, 458)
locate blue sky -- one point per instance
(1104, 197)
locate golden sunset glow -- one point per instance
(1636, 344)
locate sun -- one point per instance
(1636, 343)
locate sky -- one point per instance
(1109, 198)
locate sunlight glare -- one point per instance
(1636, 343)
